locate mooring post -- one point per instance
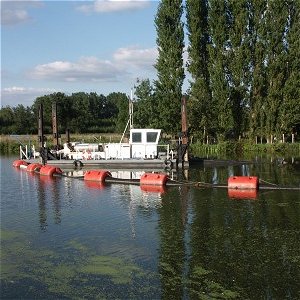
(68, 135)
(43, 151)
(54, 125)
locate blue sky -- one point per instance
(73, 46)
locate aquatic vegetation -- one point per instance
(41, 270)
(203, 286)
(119, 270)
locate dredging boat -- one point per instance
(142, 149)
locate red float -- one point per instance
(33, 167)
(95, 184)
(242, 194)
(96, 175)
(154, 179)
(19, 163)
(153, 189)
(243, 182)
(50, 170)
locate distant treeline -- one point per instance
(79, 112)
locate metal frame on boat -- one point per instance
(142, 150)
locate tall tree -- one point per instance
(218, 68)
(169, 65)
(200, 105)
(120, 101)
(258, 84)
(276, 63)
(290, 108)
(145, 105)
(238, 62)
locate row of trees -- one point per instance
(244, 63)
(244, 60)
(79, 112)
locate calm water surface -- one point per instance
(64, 239)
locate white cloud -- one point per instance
(136, 57)
(12, 95)
(16, 12)
(104, 6)
(88, 69)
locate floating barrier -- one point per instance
(154, 179)
(239, 187)
(95, 184)
(153, 189)
(243, 182)
(243, 194)
(96, 175)
(18, 163)
(33, 167)
(50, 170)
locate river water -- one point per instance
(62, 238)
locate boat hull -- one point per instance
(113, 163)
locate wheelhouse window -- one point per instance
(151, 137)
(136, 137)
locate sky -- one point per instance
(75, 46)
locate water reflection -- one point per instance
(48, 185)
(174, 243)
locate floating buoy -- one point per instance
(94, 184)
(18, 163)
(33, 167)
(242, 194)
(96, 175)
(50, 170)
(153, 179)
(153, 189)
(243, 182)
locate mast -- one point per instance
(131, 110)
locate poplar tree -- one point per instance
(258, 85)
(218, 69)
(238, 62)
(200, 106)
(290, 108)
(276, 64)
(169, 65)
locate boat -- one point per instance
(142, 150)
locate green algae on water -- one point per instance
(119, 270)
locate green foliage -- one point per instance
(244, 62)
(169, 65)
(79, 112)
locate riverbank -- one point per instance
(244, 149)
(9, 144)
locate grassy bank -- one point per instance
(241, 149)
(244, 149)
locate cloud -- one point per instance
(16, 12)
(106, 6)
(91, 69)
(12, 95)
(136, 57)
